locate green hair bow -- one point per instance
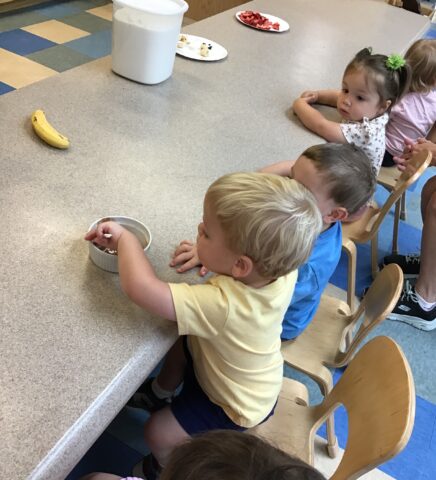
(395, 61)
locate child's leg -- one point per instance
(156, 393)
(162, 433)
(173, 368)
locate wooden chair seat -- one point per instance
(388, 176)
(318, 345)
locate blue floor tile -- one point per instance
(22, 42)
(5, 88)
(431, 32)
(95, 46)
(107, 455)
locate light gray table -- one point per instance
(73, 347)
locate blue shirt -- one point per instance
(313, 277)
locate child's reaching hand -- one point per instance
(107, 234)
(186, 254)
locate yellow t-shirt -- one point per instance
(234, 339)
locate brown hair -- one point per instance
(390, 84)
(421, 57)
(231, 455)
(348, 172)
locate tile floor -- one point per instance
(46, 40)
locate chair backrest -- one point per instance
(379, 301)
(416, 167)
(378, 393)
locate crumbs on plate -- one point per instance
(183, 40)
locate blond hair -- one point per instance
(273, 220)
(421, 56)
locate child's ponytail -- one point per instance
(403, 74)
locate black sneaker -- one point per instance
(146, 399)
(410, 264)
(408, 310)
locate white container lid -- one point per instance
(158, 7)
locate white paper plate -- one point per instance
(191, 49)
(284, 25)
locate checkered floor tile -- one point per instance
(38, 42)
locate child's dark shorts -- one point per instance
(388, 160)
(193, 409)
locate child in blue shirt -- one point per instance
(341, 178)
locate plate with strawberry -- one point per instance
(262, 21)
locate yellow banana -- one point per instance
(46, 132)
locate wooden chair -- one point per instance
(388, 177)
(334, 334)
(376, 389)
(366, 227)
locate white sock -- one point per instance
(427, 306)
(159, 391)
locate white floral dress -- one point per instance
(369, 135)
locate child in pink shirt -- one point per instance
(414, 116)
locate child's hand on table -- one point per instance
(107, 234)
(310, 96)
(186, 254)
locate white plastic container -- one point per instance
(144, 38)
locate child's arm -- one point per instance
(137, 276)
(432, 134)
(315, 121)
(280, 168)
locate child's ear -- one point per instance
(384, 106)
(338, 214)
(242, 267)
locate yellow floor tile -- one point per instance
(55, 31)
(19, 71)
(103, 12)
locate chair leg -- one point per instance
(350, 249)
(397, 216)
(374, 256)
(403, 214)
(332, 441)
